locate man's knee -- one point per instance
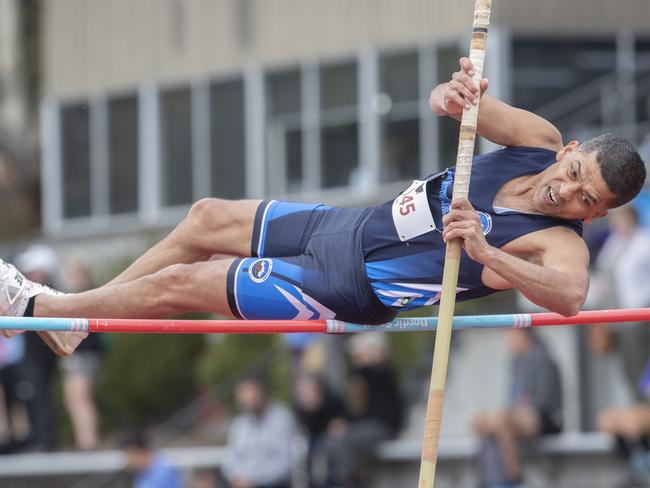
(480, 424)
(173, 286)
(635, 423)
(196, 287)
(488, 423)
(208, 213)
(501, 422)
(606, 422)
(206, 219)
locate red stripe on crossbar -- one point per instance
(205, 326)
(592, 317)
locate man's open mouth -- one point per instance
(551, 196)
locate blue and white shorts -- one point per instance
(308, 264)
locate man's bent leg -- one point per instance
(511, 427)
(176, 289)
(212, 226)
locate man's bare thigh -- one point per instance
(226, 226)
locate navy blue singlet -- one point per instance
(408, 275)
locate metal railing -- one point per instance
(603, 102)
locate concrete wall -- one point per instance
(566, 470)
(95, 45)
(573, 16)
(13, 105)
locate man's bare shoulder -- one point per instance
(554, 240)
(549, 137)
(558, 246)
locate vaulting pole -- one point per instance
(452, 257)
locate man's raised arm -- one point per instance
(497, 121)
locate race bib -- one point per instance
(411, 213)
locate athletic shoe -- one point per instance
(15, 292)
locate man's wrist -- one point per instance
(488, 255)
(438, 105)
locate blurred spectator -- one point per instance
(316, 406)
(534, 409)
(259, 440)
(630, 425)
(305, 353)
(80, 370)
(11, 355)
(151, 469)
(620, 281)
(642, 202)
(205, 478)
(644, 146)
(41, 264)
(624, 260)
(373, 412)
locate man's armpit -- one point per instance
(532, 258)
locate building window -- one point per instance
(398, 106)
(643, 89)
(123, 154)
(545, 70)
(75, 148)
(227, 139)
(284, 132)
(339, 124)
(176, 146)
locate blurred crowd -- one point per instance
(621, 353)
(617, 368)
(339, 429)
(342, 421)
(342, 428)
(28, 369)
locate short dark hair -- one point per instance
(259, 380)
(620, 165)
(134, 438)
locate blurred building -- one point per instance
(19, 141)
(13, 100)
(150, 105)
(19, 67)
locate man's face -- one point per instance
(518, 341)
(573, 188)
(137, 459)
(250, 397)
